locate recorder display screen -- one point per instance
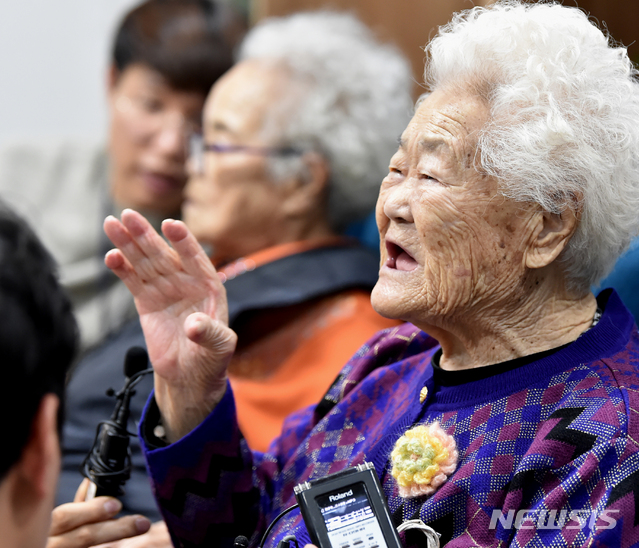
(349, 518)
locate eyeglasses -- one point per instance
(146, 120)
(197, 148)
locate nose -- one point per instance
(395, 201)
(171, 140)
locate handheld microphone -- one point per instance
(108, 463)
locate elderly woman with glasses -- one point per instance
(514, 188)
(295, 139)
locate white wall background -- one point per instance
(53, 61)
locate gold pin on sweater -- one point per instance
(423, 394)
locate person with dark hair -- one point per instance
(166, 56)
(38, 340)
(37, 332)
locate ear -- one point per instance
(307, 191)
(39, 466)
(550, 236)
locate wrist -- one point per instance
(181, 411)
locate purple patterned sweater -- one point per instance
(548, 447)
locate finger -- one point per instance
(121, 239)
(117, 543)
(156, 537)
(81, 493)
(67, 517)
(210, 333)
(118, 264)
(116, 231)
(100, 533)
(194, 260)
(126, 242)
(162, 258)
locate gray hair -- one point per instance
(564, 129)
(355, 104)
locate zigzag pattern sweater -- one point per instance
(548, 448)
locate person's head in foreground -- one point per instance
(514, 189)
(166, 56)
(297, 136)
(37, 344)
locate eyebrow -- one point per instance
(426, 143)
(157, 80)
(217, 125)
(432, 143)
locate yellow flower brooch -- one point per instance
(422, 459)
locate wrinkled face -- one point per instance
(233, 206)
(150, 124)
(451, 245)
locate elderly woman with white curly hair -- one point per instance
(514, 188)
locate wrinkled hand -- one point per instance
(157, 537)
(183, 311)
(82, 524)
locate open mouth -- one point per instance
(399, 258)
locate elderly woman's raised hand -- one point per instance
(183, 312)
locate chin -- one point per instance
(385, 301)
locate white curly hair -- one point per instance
(354, 103)
(564, 128)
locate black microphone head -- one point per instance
(136, 360)
(241, 542)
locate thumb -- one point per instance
(209, 333)
(83, 489)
